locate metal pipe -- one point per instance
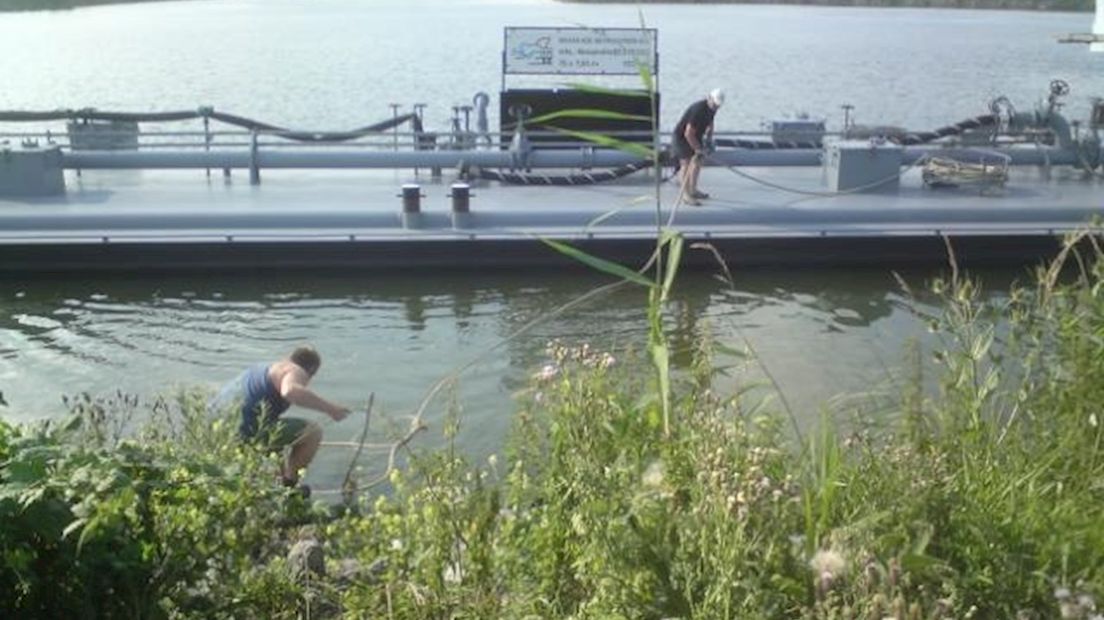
(575, 158)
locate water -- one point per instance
(336, 64)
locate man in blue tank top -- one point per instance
(264, 392)
(688, 143)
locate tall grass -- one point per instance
(982, 500)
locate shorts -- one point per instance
(282, 433)
(680, 148)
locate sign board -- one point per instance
(579, 51)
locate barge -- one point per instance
(1003, 187)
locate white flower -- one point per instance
(828, 563)
(453, 574)
(653, 475)
(547, 373)
(396, 544)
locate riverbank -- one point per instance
(979, 500)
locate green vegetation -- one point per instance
(54, 5)
(983, 500)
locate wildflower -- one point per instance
(492, 460)
(827, 566)
(828, 561)
(653, 475)
(578, 525)
(606, 361)
(396, 544)
(453, 574)
(547, 373)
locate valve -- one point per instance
(1058, 89)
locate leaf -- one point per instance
(661, 359)
(605, 90)
(673, 240)
(645, 76)
(633, 148)
(72, 527)
(598, 263)
(586, 113)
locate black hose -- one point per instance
(230, 119)
(93, 115)
(921, 137)
(315, 136)
(908, 139)
(581, 178)
(764, 145)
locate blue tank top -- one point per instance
(258, 397)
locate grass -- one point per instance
(982, 500)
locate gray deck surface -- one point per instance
(168, 204)
(156, 220)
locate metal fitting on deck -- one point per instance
(411, 197)
(461, 203)
(411, 205)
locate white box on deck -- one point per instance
(862, 165)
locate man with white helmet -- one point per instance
(688, 143)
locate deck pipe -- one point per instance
(181, 159)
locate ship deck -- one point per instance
(182, 219)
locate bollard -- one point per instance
(411, 198)
(461, 203)
(411, 204)
(461, 197)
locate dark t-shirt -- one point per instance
(700, 115)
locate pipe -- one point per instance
(183, 159)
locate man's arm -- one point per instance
(294, 390)
(692, 138)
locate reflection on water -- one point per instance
(818, 332)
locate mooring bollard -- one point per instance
(461, 204)
(411, 204)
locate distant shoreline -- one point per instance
(58, 5)
(1011, 5)
(1016, 5)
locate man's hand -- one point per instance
(340, 414)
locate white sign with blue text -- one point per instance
(586, 51)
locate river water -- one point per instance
(336, 64)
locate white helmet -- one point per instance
(717, 97)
